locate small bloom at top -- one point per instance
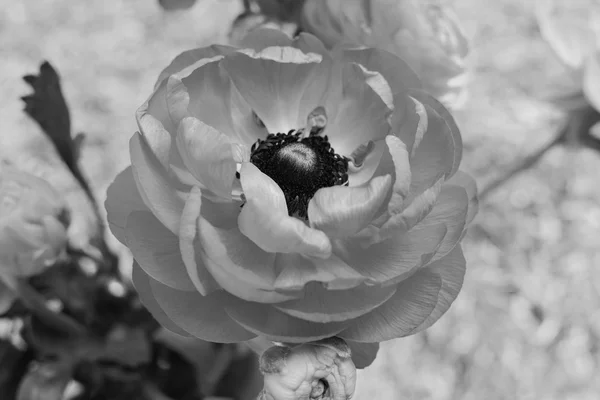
(426, 34)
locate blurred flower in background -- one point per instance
(572, 29)
(426, 34)
(33, 223)
(33, 227)
(269, 197)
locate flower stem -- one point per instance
(523, 165)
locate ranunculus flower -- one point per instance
(33, 223)
(293, 194)
(425, 34)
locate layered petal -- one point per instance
(320, 304)
(207, 95)
(141, 282)
(275, 325)
(398, 223)
(451, 268)
(264, 219)
(295, 271)
(361, 116)
(201, 316)
(237, 263)
(451, 130)
(156, 250)
(342, 211)
(394, 258)
(467, 182)
(201, 279)
(451, 208)
(414, 300)
(208, 155)
(157, 137)
(122, 198)
(156, 188)
(432, 158)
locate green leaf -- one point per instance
(48, 108)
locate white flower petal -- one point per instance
(156, 188)
(156, 250)
(207, 153)
(122, 198)
(272, 82)
(342, 211)
(188, 241)
(414, 300)
(451, 269)
(362, 115)
(265, 220)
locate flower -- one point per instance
(572, 29)
(33, 223)
(425, 34)
(286, 192)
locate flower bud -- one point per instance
(33, 223)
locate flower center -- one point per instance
(300, 166)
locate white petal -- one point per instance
(341, 211)
(207, 153)
(265, 220)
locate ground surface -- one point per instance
(527, 324)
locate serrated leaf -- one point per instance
(47, 106)
(45, 381)
(569, 27)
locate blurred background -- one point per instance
(527, 323)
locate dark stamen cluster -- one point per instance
(300, 166)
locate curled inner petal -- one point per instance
(264, 219)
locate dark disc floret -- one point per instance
(300, 166)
